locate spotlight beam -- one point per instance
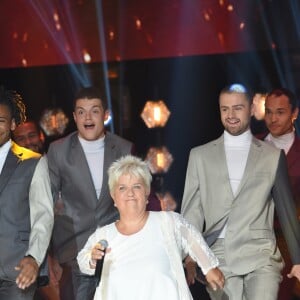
(100, 21)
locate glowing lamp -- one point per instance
(259, 106)
(54, 122)
(155, 114)
(159, 159)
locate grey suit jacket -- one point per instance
(26, 214)
(79, 212)
(208, 199)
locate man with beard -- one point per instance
(232, 186)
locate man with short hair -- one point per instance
(281, 111)
(30, 136)
(26, 214)
(78, 167)
(232, 186)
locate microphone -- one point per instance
(99, 265)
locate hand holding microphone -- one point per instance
(99, 257)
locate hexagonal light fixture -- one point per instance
(259, 106)
(54, 122)
(159, 159)
(155, 114)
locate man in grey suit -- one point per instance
(78, 167)
(232, 185)
(26, 215)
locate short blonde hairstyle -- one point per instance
(129, 165)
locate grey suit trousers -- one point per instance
(10, 291)
(261, 284)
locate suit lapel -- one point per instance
(9, 167)
(293, 153)
(78, 157)
(221, 164)
(109, 157)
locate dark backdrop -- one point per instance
(188, 85)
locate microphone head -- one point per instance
(103, 243)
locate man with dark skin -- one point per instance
(26, 215)
(281, 111)
(30, 136)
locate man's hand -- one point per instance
(55, 270)
(28, 268)
(295, 272)
(191, 271)
(215, 278)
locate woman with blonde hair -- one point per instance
(146, 249)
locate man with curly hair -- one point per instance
(26, 215)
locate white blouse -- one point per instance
(147, 265)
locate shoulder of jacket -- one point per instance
(61, 142)
(297, 141)
(167, 215)
(265, 146)
(111, 137)
(208, 145)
